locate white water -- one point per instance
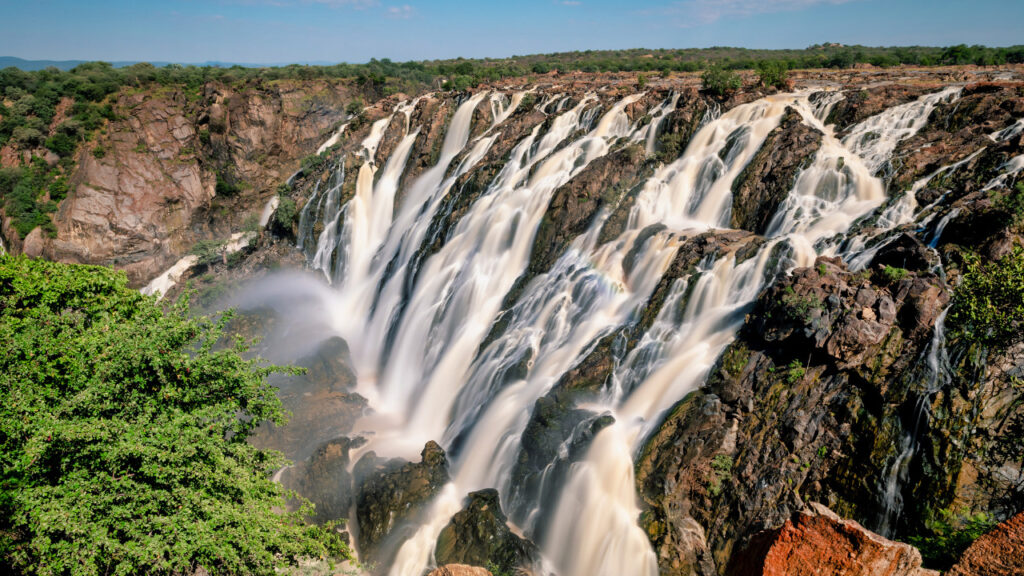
(416, 329)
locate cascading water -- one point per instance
(937, 375)
(416, 322)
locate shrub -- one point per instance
(312, 163)
(893, 274)
(355, 107)
(285, 214)
(123, 436)
(988, 305)
(772, 73)
(226, 186)
(948, 534)
(62, 144)
(720, 82)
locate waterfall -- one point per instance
(421, 325)
(937, 375)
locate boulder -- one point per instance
(817, 542)
(479, 535)
(997, 553)
(769, 176)
(392, 498)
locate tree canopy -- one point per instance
(123, 432)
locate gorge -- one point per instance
(583, 326)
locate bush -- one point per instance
(988, 305)
(285, 214)
(312, 163)
(123, 436)
(225, 186)
(61, 144)
(773, 73)
(947, 535)
(355, 107)
(720, 82)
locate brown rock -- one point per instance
(817, 542)
(998, 553)
(459, 570)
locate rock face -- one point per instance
(816, 541)
(767, 179)
(146, 191)
(478, 535)
(392, 495)
(998, 553)
(796, 409)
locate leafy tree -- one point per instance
(123, 436)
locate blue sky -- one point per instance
(284, 31)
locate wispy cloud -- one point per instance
(403, 12)
(571, 3)
(697, 12)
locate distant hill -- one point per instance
(31, 65)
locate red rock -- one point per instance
(817, 542)
(998, 553)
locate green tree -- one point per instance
(123, 436)
(772, 73)
(719, 81)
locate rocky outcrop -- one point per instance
(863, 103)
(479, 535)
(147, 189)
(768, 178)
(325, 480)
(574, 204)
(804, 405)
(998, 553)
(392, 496)
(815, 541)
(955, 131)
(459, 570)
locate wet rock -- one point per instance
(769, 176)
(574, 204)
(997, 553)
(325, 480)
(392, 497)
(860, 104)
(816, 541)
(321, 401)
(803, 405)
(479, 535)
(907, 252)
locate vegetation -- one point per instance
(893, 274)
(772, 73)
(286, 213)
(948, 534)
(988, 306)
(123, 436)
(721, 470)
(719, 81)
